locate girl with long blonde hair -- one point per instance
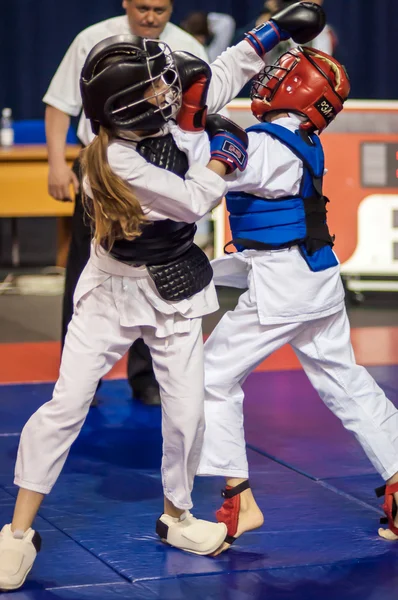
(145, 276)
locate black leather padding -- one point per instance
(183, 277)
(164, 153)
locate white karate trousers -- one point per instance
(239, 343)
(94, 343)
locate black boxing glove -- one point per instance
(228, 142)
(195, 76)
(302, 22)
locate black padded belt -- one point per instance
(183, 277)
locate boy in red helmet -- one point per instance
(295, 295)
(145, 194)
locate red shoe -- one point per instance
(229, 512)
(390, 506)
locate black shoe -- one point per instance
(149, 396)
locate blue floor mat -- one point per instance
(298, 430)
(63, 562)
(319, 539)
(120, 531)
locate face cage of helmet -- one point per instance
(260, 89)
(268, 82)
(163, 91)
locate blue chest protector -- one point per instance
(268, 224)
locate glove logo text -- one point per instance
(234, 151)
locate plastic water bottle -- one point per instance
(6, 128)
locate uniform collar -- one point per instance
(292, 122)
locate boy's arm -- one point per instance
(200, 95)
(236, 66)
(206, 89)
(230, 72)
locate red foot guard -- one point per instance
(229, 512)
(390, 507)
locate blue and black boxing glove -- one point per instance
(302, 22)
(228, 142)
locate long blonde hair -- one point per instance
(114, 208)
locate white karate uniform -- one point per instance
(286, 303)
(116, 303)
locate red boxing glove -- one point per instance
(195, 76)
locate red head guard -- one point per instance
(303, 80)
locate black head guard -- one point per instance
(115, 76)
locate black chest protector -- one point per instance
(178, 267)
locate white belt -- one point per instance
(103, 261)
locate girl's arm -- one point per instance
(164, 195)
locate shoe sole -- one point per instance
(16, 587)
(213, 549)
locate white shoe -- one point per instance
(18, 551)
(190, 534)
